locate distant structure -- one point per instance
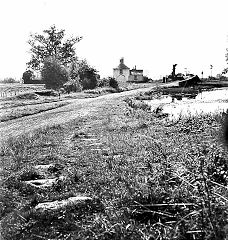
(123, 73)
(136, 75)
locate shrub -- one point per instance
(28, 76)
(104, 82)
(113, 83)
(146, 79)
(73, 86)
(54, 74)
(86, 75)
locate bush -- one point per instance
(86, 74)
(104, 82)
(146, 79)
(113, 83)
(54, 74)
(28, 76)
(73, 86)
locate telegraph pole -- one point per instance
(211, 66)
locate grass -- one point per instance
(156, 179)
(18, 112)
(30, 103)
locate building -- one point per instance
(136, 75)
(123, 73)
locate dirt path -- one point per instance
(78, 108)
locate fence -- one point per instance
(12, 90)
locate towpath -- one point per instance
(76, 109)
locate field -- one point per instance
(18, 100)
(144, 176)
(13, 89)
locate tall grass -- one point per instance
(157, 180)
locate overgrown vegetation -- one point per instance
(55, 58)
(156, 179)
(51, 43)
(26, 110)
(9, 80)
(28, 76)
(54, 74)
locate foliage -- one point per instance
(113, 83)
(53, 73)
(73, 85)
(86, 74)
(104, 82)
(146, 79)
(51, 43)
(157, 179)
(221, 77)
(9, 80)
(28, 76)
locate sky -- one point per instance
(151, 34)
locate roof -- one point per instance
(122, 65)
(136, 70)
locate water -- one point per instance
(205, 102)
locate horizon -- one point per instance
(149, 34)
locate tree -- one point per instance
(87, 75)
(28, 76)
(51, 44)
(54, 74)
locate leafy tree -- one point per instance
(51, 43)
(28, 76)
(87, 75)
(54, 74)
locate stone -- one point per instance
(57, 205)
(94, 144)
(88, 139)
(75, 206)
(43, 167)
(49, 170)
(41, 183)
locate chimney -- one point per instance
(122, 60)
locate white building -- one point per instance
(123, 73)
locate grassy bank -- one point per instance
(156, 179)
(18, 112)
(31, 103)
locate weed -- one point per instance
(156, 180)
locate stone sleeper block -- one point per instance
(56, 205)
(43, 167)
(88, 139)
(94, 144)
(42, 183)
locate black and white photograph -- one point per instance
(113, 120)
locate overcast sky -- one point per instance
(151, 34)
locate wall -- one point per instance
(139, 78)
(123, 77)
